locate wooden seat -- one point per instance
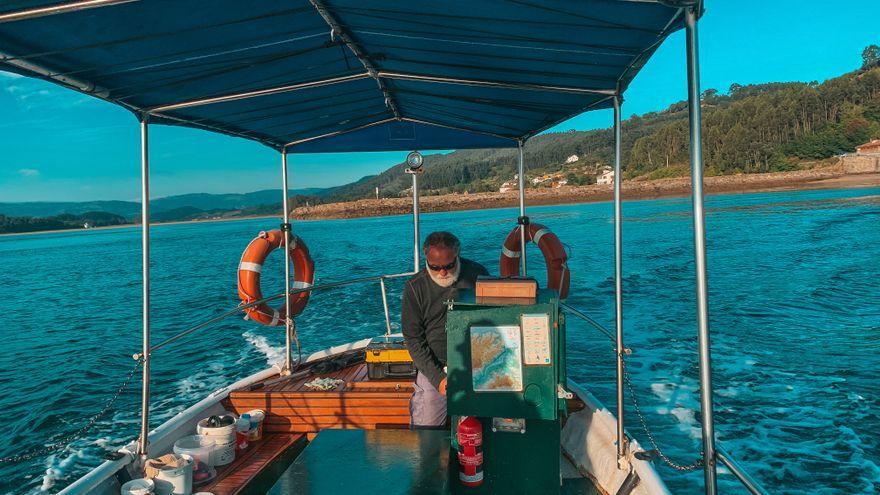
(234, 477)
(358, 402)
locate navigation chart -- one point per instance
(496, 359)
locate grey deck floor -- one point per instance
(384, 462)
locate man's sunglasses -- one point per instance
(437, 268)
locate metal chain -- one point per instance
(66, 440)
(674, 465)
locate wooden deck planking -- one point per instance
(234, 477)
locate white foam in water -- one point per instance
(273, 354)
(192, 383)
(687, 421)
(55, 469)
(49, 479)
(663, 391)
(728, 392)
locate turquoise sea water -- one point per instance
(795, 318)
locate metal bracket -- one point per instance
(523, 220)
(286, 227)
(562, 393)
(623, 461)
(645, 455)
(114, 456)
(509, 425)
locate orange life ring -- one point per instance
(558, 276)
(249, 276)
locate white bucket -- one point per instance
(139, 486)
(199, 447)
(175, 481)
(223, 452)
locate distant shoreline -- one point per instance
(819, 178)
(137, 225)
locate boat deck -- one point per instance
(389, 462)
(295, 414)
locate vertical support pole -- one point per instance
(523, 220)
(618, 286)
(145, 272)
(285, 229)
(696, 151)
(385, 305)
(416, 236)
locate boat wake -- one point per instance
(261, 343)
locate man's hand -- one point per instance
(442, 388)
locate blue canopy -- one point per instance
(343, 75)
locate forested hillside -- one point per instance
(65, 221)
(747, 129)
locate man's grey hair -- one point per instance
(442, 239)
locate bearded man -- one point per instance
(423, 319)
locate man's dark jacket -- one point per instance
(423, 317)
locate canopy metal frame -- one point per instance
(60, 8)
(702, 284)
(691, 10)
(362, 56)
(287, 231)
(341, 34)
(618, 287)
(145, 288)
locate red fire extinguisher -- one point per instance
(470, 451)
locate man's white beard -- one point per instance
(449, 279)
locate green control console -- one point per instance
(506, 367)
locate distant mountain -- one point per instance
(41, 209)
(205, 201)
(199, 202)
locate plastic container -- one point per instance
(175, 481)
(242, 432)
(199, 447)
(256, 430)
(139, 486)
(222, 430)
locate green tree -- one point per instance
(871, 57)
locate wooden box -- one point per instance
(502, 288)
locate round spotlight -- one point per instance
(415, 160)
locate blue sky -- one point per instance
(59, 145)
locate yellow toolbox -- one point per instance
(387, 357)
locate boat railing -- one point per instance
(329, 285)
(722, 455)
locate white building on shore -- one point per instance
(510, 185)
(606, 177)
